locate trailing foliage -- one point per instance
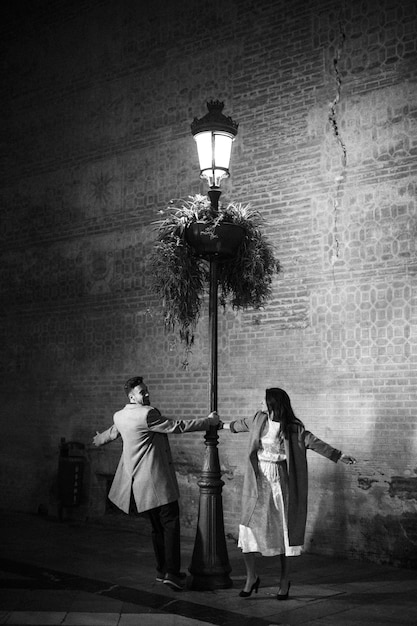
(179, 275)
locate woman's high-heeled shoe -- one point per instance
(255, 587)
(284, 596)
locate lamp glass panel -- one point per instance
(222, 150)
(204, 149)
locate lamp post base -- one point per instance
(210, 566)
(210, 582)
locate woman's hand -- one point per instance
(96, 440)
(224, 425)
(349, 460)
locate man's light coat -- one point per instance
(145, 469)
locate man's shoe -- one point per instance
(175, 581)
(160, 576)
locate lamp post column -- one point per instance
(210, 566)
(214, 134)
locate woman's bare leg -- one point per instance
(251, 576)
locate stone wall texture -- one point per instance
(97, 98)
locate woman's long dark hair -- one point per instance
(280, 409)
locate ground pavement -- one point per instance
(73, 573)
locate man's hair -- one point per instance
(131, 383)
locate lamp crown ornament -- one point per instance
(214, 120)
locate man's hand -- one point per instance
(349, 460)
(95, 439)
(215, 419)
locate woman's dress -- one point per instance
(268, 533)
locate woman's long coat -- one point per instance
(295, 448)
(145, 469)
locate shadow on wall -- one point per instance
(391, 530)
(368, 511)
(328, 509)
(334, 496)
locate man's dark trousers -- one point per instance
(166, 539)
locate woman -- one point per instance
(274, 497)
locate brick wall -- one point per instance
(97, 102)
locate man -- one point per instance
(145, 478)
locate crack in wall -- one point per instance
(332, 107)
(333, 119)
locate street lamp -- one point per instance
(214, 134)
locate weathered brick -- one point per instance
(97, 106)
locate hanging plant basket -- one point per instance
(188, 234)
(220, 241)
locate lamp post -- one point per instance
(210, 568)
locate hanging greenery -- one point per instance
(179, 274)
